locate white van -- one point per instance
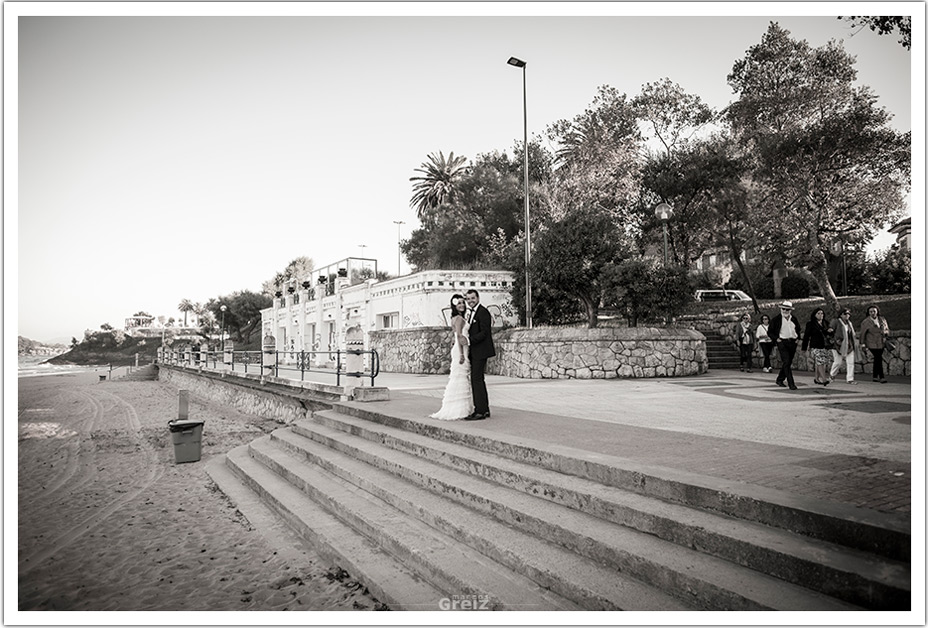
(721, 295)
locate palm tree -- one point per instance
(438, 185)
(199, 309)
(185, 306)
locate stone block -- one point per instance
(371, 393)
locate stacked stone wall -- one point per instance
(424, 350)
(554, 353)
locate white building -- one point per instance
(316, 318)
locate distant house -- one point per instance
(139, 325)
(903, 231)
(148, 327)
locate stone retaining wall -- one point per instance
(897, 363)
(599, 353)
(424, 350)
(554, 352)
(281, 399)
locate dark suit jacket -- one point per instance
(481, 336)
(776, 324)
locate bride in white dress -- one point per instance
(458, 401)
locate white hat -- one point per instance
(786, 305)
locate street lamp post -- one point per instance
(222, 328)
(398, 223)
(664, 213)
(513, 61)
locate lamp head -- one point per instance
(519, 63)
(663, 212)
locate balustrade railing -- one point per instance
(283, 363)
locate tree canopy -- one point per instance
(830, 165)
(243, 312)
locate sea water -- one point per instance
(32, 366)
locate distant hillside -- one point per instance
(110, 347)
(27, 346)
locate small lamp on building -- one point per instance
(664, 213)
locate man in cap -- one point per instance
(784, 331)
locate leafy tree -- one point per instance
(692, 179)
(243, 312)
(829, 162)
(891, 271)
(482, 218)
(298, 270)
(571, 254)
(366, 273)
(673, 115)
(629, 287)
(643, 289)
(884, 25)
(597, 159)
(437, 184)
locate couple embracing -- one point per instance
(466, 393)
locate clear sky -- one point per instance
(165, 157)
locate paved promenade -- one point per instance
(845, 444)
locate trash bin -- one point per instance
(186, 436)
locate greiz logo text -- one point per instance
(465, 603)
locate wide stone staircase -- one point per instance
(434, 516)
(721, 353)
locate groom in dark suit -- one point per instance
(481, 349)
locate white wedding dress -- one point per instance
(458, 401)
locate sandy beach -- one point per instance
(108, 521)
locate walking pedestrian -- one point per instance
(745, 337)
(873, 333)
(764, 341)
(845, 344)
(784, 331)
(816, 340)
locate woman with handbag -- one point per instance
(764, 341)
(818, 338)
(874, 332)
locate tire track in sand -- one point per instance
(80, 452)
(151, 473)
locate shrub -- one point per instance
(891, 271)
(761, 279)
(642, 290)
(794, 287)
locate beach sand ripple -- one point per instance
(108, 521)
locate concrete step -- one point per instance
(387, 578)
(589, 583)
(838, 572)
(448, 564)
(882, 534)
